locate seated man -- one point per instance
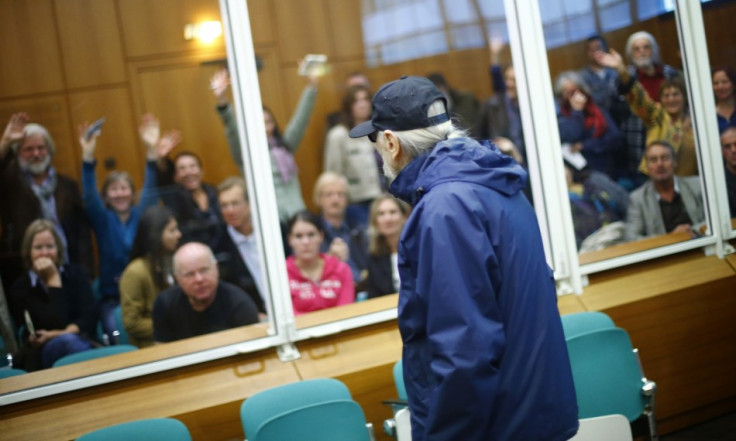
(199, 303)
(345, 238)
(236, 247)
(728, 147)
(666, 203)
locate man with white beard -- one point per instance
(642, 52)
(31, 189)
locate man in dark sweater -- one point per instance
(199, 303)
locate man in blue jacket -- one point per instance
(484, 354)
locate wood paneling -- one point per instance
(118, 141)
(178, 94)
(346, 30)
(262, 22)
(29, 48)
(51, 112)
(302, 29)
(91, 48)
(157, 28)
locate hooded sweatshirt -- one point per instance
(335, 286)
(484, 354)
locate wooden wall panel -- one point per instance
(272, 90)
(29, 48)
(720, 33)
(180, 96)
(262, 22)
(346, 30)
(157, 28)
(51, 112)
(91, 47)
(302, 29)
(119, 138)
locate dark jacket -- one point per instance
(19, 207)
(380, 280)
(233, 268)
(484, 353)
(600, 152)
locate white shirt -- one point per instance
(248, 249)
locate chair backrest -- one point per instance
(330, 420)
(154, 429)
(403, 425)
(399, 380)
(10, 372)
(604, 428)
(122, 337)
(91, 354)
(606, 374)
(263, 405)
(582, 322)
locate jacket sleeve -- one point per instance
(231, 133)
(334, 150)
(133, 287)
(635, 229)
(149, 194)
(347, 292)
(91, 198)
(572, 128)
(294, 131)
(643, 106)
(464, 327)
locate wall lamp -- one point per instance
(206, 31)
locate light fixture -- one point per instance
(206, 31)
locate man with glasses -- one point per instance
(199, 303)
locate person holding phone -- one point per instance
(56, 297)
(281, 145)
(114, 214)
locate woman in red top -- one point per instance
(316, 281)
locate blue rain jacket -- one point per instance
(484, 354)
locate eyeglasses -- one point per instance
(373, 136)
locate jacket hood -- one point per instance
(459, 160)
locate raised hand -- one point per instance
(88, 145)
(149, 130)
(166, 144)
(610, 59)
(495, 45)
(219, 83)
(15, 130)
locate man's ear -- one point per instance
(393, 145)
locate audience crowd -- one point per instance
(182, 257)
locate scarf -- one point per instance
(284, 160)
(45, 194)
(594, 118)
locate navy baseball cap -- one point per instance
(403, 105)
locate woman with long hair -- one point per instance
(150, 271)
(387, 218)
(316, 280)
(53, 299)
(724, 79)
(281, 145)
(354, 158)
(114, 214)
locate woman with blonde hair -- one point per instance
(53, 299)
(387, 218)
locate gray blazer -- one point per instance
(644, 218)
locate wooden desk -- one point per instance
(632, 247)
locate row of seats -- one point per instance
(310, 410)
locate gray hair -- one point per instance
(36, 129)
(572, 77)
(643, 34)
(417, 142)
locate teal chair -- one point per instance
(582, 322)
(399, 380)
(390, 425)
(155, 429)
(92, 354)
(122, 334)
(608, 377)
(318, 409)
(10, 372)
